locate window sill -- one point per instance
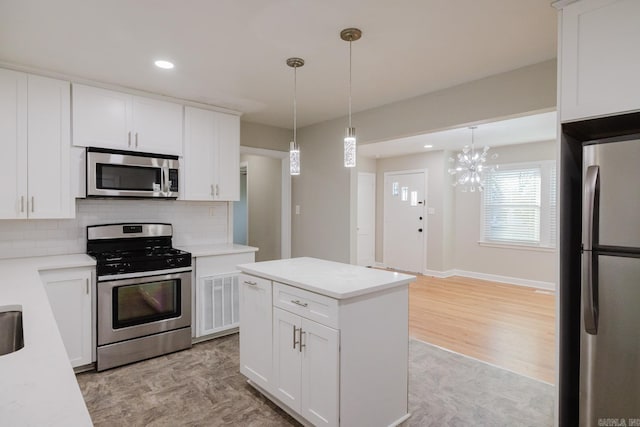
(517, 247)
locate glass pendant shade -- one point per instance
(294, 159)
(350, 148)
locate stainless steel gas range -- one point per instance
(143, 292)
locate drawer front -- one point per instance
(309, 305)
(259, 282)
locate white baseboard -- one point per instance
(439, 274)
(549, 286)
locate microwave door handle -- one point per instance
(165, 180)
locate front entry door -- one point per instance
(404, 220)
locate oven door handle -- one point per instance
(142, 276)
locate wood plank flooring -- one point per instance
(510, 326)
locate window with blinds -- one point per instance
(519, 205)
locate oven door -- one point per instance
(137, 307)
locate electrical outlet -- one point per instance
(297, 209)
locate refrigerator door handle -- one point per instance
(589, 313)
(589, 222)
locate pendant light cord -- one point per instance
(295, 96)
(350, 83)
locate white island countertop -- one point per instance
(216, 249)
(37, 383)
(329, 278)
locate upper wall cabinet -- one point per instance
(109, 119)
(600, 59)
(211, 155)
(35, 141)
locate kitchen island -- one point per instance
(326, 341)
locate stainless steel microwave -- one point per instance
(116, 173)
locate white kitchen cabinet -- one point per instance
(217, 293)
(35, 141)
(339, 340)
(256, 337)
(70, 297)
(211, 155)
(599, 58)
(305, 367)
(111, 119)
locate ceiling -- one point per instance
(232, 53)
(520, 130)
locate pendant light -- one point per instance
(350, 35)
(294, 149)
(471, 166)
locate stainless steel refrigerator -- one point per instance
(610, 284)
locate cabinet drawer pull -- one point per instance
(251, 283)
(298, 302)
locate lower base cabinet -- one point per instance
(327, 362)
(305, 367)
(70, 297)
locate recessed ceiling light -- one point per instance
(161, 63)
(428, 146)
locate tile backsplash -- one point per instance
(193, 223)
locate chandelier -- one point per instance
(470, 167)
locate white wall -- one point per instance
(538, 265)
(325, 190)
(263, 136)
(264, 191)
(193, 223)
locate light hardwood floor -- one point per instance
(506, 325)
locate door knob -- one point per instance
(420, 230)
(420, 218)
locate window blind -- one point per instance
(517, 206)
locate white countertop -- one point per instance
(333, 279)
(216, 249)
(37, 383)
